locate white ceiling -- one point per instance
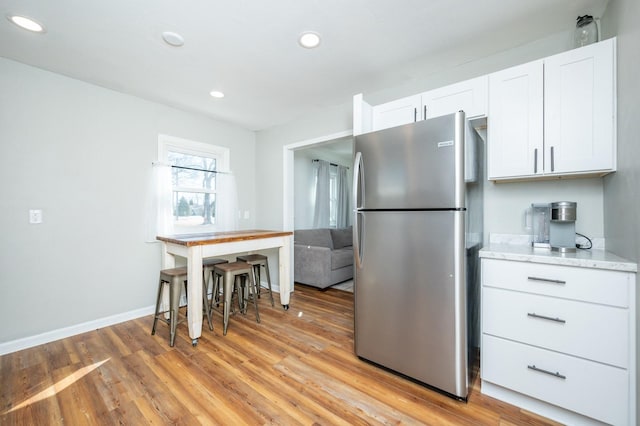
(248, 48)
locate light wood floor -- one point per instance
(295, 367)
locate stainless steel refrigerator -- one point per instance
(413, 251)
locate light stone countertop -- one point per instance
(594, 258)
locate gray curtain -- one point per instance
(343, 213)
(321, 212)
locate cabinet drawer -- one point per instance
(592, 389)
(585, 284)
(595, 332)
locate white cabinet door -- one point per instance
(396, 113)
(469, 96)
(579, 109)
(514, 122)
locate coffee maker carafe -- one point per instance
(541, 218)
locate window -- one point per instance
(195, 193)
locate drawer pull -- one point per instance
(534, 315)
(556, 374)
(546, 280)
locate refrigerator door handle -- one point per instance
(358, 189)
(358, 239)
(358, 181)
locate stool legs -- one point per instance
(257, 261)
(174, 302)
(266, 268)
(174, 305)
(158, 302)
(228, 283)
(175, 279)
(205, 304)
(254, 289)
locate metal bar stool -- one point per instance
(173, 278)
(228, 272)
(207, 273)
(258, 260)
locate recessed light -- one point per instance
(26, 23)
(309, 39)
(216, 94)
(173, 39)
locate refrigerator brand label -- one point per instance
(445, 143)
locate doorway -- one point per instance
(335, 146)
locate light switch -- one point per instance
(246, 214)
(35, 216)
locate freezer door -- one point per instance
(415, 166)
(410, 295)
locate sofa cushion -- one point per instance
(342, 237)
(341, 258)
(313, 237)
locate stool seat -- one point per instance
(228, 272)
(174, 272)
(258, 260)
(210, 261)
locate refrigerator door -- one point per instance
(410, 306)
(415, 166)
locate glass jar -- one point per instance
(586, 31)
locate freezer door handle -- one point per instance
(358, 181)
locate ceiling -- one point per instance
(248, 48)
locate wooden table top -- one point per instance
(221, 237)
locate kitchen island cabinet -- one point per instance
(558, 333)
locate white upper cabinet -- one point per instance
(469, 96)
(514, 122)
(555, 116)
(396, 113)
(579, 117)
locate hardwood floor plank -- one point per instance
(294, 367)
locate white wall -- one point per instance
(504, 203)
(622, 200)
(83, 155)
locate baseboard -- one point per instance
(51, 336)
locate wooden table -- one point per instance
(195, 247)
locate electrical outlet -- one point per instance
(35, 216)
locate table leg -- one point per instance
(194, 299)
(284, 259)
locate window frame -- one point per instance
(221, 154)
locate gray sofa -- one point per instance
(323, 257)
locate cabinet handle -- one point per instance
(415, 115)
(556, 374)
(553, 165)
(546, 280)
(534, 315)
(425, 113)
(535, 160)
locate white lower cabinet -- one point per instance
(590, 388)
(552, 345)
